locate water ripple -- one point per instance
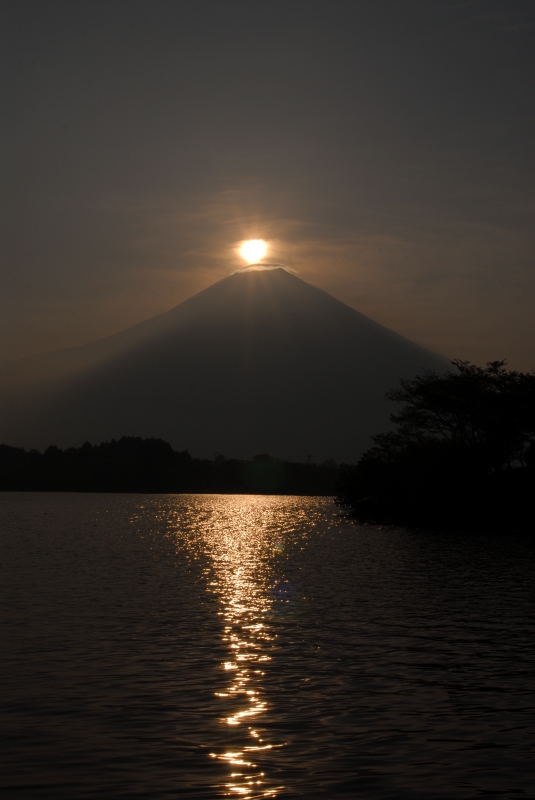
(206, 646)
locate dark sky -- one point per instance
(384, 148)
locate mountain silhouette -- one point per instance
(259, 362)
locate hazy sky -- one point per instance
(384, 147)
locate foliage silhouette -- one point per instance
(462, 454)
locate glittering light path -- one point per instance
(244, 548)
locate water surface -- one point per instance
(208, 646)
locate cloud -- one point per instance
(264, 268)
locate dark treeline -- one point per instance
(133, 464)
(462, 454)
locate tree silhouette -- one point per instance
(460, 437)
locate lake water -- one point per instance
(168, 646)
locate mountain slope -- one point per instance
(259, 362)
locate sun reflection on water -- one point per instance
(245, 542)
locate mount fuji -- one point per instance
(259, 362)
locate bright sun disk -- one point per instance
(253, 250)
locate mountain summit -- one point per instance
(259, 362)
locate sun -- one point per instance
(253, 250)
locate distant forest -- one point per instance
(132, 464)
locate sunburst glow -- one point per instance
(253, 250)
